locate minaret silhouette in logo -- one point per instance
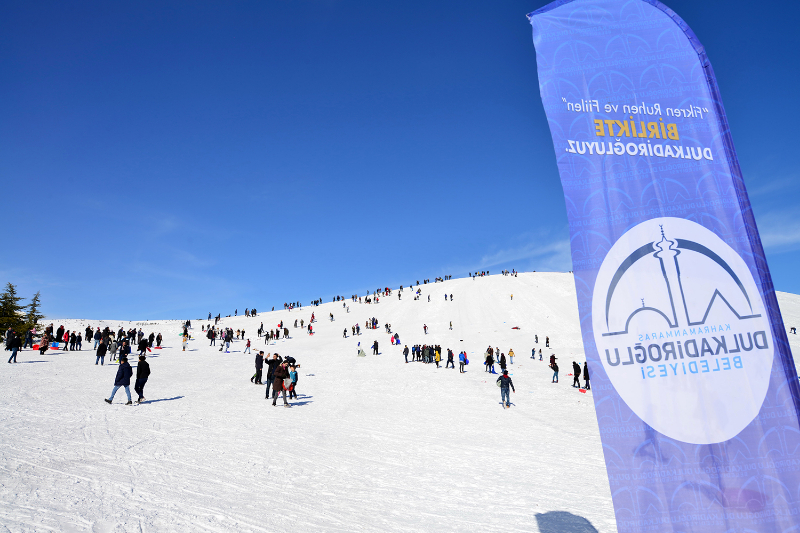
(668, 257)
(667, 252)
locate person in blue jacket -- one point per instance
(123, 379)
(462, 358)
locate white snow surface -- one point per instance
(371, 444)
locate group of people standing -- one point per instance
(491, 356)
(281, 376)
(431, 354)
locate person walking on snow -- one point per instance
(123, 379)
(375, 348)
(505, 383)
(462, 358)
(576, 374)
(554, 366)
(511, 357)
(405, 352)
(425, 328)
(247, 347)
(142, 373)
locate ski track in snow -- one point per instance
(372, 444)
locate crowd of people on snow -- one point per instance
(281, 376)
(282, 373)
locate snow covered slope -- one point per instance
(372, 444)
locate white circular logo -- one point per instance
(682, 331)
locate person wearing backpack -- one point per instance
(504, 382)
(462, 360)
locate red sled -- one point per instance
(157, 348)
(149, 350)
(35, 347)
(582, 390)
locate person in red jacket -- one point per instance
(247, 347)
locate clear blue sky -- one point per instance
(170, 159)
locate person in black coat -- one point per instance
(576, 374)
(123, 379)
(281, 373)
(272, 364)
(259, 367)
(102, 348)
(502, 361)
(586, 376)
(14, 345)
(142, 373)
(143, 346)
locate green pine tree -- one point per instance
(34, 316)
(12, 313)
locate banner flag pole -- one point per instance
(695, 388)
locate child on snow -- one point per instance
(293, 387)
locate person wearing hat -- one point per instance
(505, 383)
(142, 373)
(123, 379)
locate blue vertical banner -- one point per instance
(694, 384)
